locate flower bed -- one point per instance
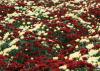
(55, 35)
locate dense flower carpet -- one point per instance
(50, 35)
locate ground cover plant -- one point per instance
(50, 35)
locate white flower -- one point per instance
(45, 33)
(38, 38)
(30, 30)
(22, 37)
(75, 55)
(55, 58)
(91, 30)
(9, 15)
(30, 13)
(84, 40)
(57, 46)
(24, 27)
(32, 58)
(21, 33)
(76, 17)
(93, 59)
(13, 41)
(67, 70)
(55, 1)
(89, 46)
(15, 14)
(28, 22)
(6, 36)
(37, 26)
(77, 40)
(39, 33)
(29, 3)
(77, 1)
(93, 52)
(1, 42)
(66, 57)
(64, 67)
(5, 51)
(1, 52)
(16, 7)
(76, 46)
(96, 36)
(9, 20)
(89, 26)
(98, 65)
(68, 45)
(90, 37)
(70, 25)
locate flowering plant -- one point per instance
(55, 35)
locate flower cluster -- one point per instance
(50, 35)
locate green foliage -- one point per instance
(13, 52)
(5, 45)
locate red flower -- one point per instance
(70, 49)
(61, 56)
(10, 26)
(16, 34)
(29, 35)
(96, 46)
(41, 66)
(21, 3)
(67, 30)
(14, 66)
(84, 58)
(90, 67)
(4, 10)
(84, 51)
(2, 57)
(1, 27)
(3, 64)
(1, 18)
(68, 18)
(75, 64)
(55, 69)
(75, 22)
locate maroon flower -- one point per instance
(67, 30)
(84, 58)
(2, 57)
(96, 46)
(90, 66)
(10, 26)
(3, 64)
(61, 56)
(84, 51)
(21, 4)
(55, 69)
(1, 27)
(70, 49)
(75, 64)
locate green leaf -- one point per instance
(13, 52)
